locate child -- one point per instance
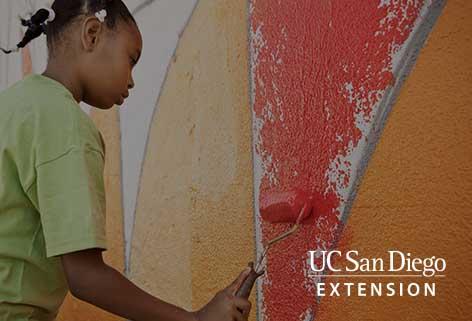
(52, 202)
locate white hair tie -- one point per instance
(51, 16)
(101, 15)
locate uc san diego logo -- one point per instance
(400, 274)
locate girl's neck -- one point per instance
(67, 77)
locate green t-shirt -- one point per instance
(52, 197)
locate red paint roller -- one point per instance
(282, 207)
(285, 207)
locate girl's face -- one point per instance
(106, 69)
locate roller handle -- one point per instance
(245, 289)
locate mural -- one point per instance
(161, 23)
(416, 191)
(324, 76)
(193, 223)
(237, 100)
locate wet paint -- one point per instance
(319, 70)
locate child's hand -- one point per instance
(224, 306)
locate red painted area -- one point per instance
(317, 65)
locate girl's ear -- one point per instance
(91, 33)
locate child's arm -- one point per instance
(92, 280)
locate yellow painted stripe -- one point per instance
(194, 221)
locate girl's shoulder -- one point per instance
(37, 93)
(46, 111)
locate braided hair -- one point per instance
(64, 13)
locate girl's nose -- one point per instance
(131, 83)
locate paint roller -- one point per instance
(282, 207)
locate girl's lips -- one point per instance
(122, 98)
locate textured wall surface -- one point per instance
(319, 79)
(161, 24)
(417, 191)
(193, 224)
(324, 76)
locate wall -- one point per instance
(325, 75)
(193, 223)
(237, 99)
(417, 189)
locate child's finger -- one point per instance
(243, 306)
(236, 284)
(239, 317)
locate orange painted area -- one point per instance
(416, 194)
(193, 231)
(108, 123)
(222, 220)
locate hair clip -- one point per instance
(51, 16)
(101, 15)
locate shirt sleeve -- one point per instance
(71, 199)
